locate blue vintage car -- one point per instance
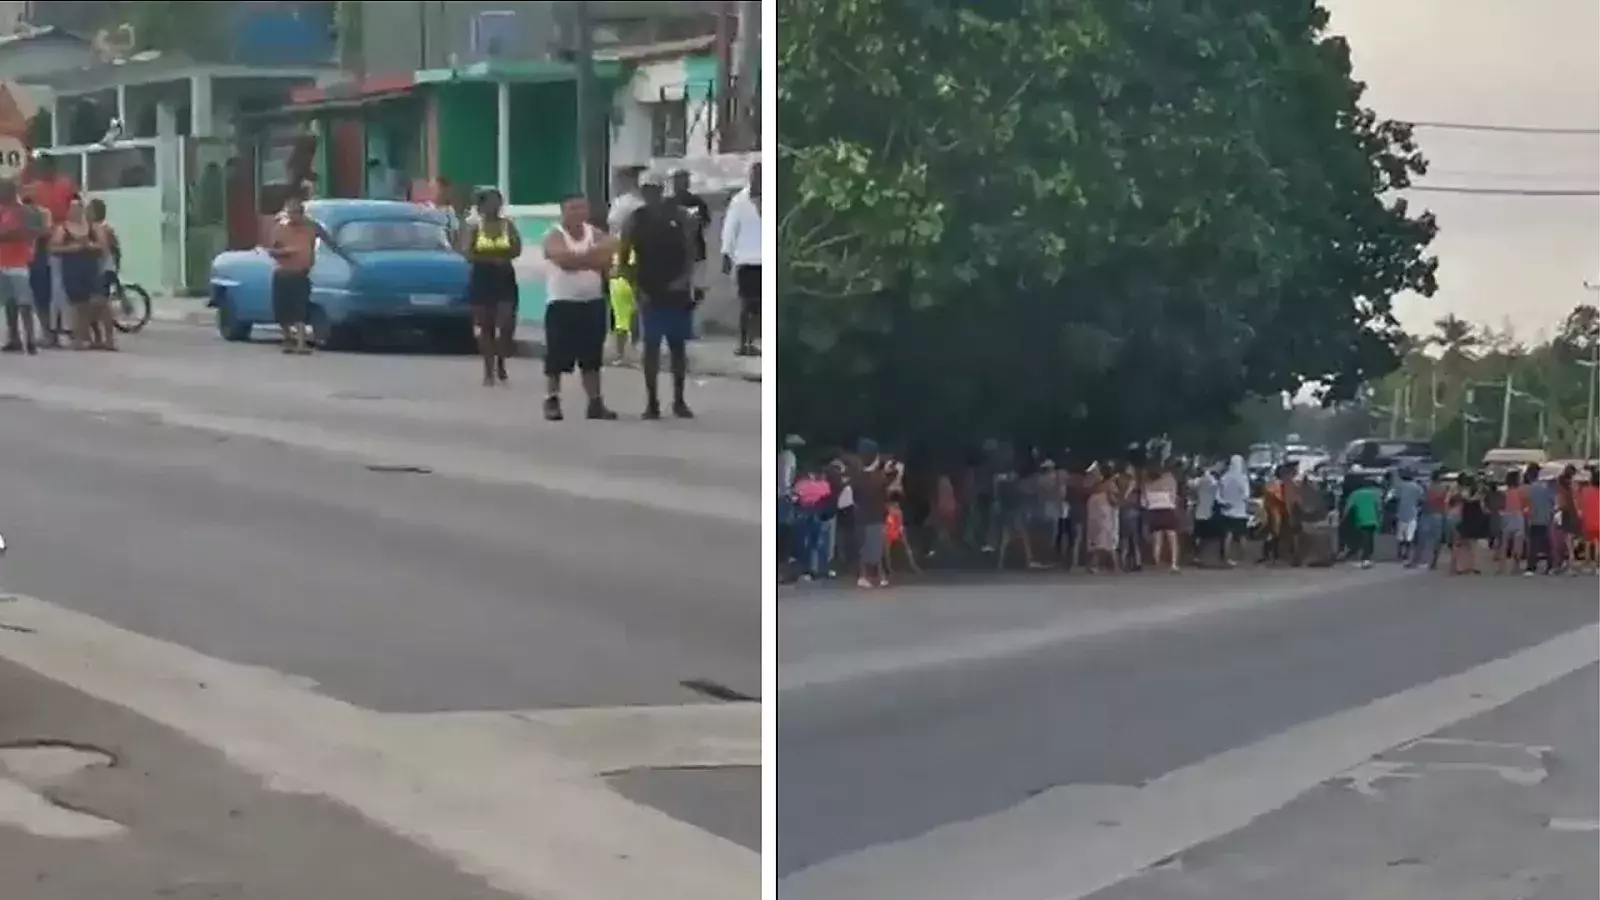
(406, 275)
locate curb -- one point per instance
(523, 348)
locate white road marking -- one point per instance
(1574, 825)
(615, 739)
(467, 463)
(1047, 849)
(826, 669)
(479, 789)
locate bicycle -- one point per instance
(130, 308)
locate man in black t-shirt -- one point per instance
(658, 259)
(699, 214)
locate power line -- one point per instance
(1506, 129)
(1504, 192)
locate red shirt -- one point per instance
(15, 253)
(55, 195)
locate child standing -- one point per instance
(102, 323)
(624, 309)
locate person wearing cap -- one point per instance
(694, 207)
(657, 253)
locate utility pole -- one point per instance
(591, 126)
(1505, 409)
(1394, 413)
(1590, 436)
(1433, 400)
(724, 100)
(749, 99)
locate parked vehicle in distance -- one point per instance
(406, 276)
(1501, 460)
(1384, 456)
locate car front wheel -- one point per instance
(228, 324)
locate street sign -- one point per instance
(13, 156)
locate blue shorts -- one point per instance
(672, 324)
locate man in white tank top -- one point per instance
(577, 256)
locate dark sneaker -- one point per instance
(682, 410)
(552, 409)
(652, 412)
(11, 348)
(598, 410)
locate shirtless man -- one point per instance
(294, 249)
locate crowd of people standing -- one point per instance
(638, 279)
(864, 513)
(59, 259)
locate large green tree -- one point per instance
(1078, 220)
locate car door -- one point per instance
(330, 283)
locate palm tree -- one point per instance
(1457, 337)
(1459, 340)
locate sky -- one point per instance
(1521, 260)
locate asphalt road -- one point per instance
(932, 734)
(385, 528)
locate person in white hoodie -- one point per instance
(1233, 506)
(741, 255)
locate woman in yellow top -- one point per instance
(624, 307)
(490, 245)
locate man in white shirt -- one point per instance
(741, 255)
(626, 199)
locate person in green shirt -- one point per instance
(1362, 507)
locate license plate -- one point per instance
(430, 299)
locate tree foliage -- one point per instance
(1079, 220)
(1465, 367)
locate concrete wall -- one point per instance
(691, 80)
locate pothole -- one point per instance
(28, 772)
(46, 762)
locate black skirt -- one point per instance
(80, 275)
(492, 283)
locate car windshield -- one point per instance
(392, 234)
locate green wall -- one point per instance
(544, 127)
(467, 115)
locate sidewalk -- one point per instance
(96, 803)
(708, 356)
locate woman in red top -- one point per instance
(1589, 516)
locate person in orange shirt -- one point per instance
(54, 193)
(17, 238)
